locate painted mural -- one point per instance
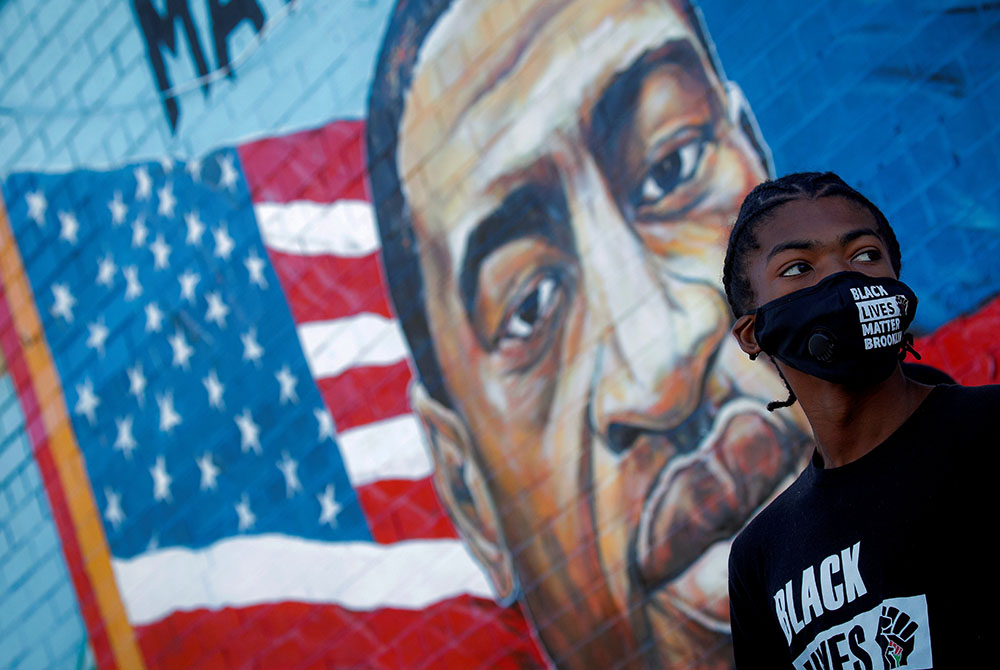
(392, 335)
(597, 435)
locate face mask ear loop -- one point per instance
(789, 401)
(908, 347)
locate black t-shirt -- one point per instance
(884, 562)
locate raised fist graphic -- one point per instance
(896, 631)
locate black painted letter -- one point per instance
(159, 32)
(225, 18)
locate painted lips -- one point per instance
(709, 494)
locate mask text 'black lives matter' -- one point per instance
(847, 329)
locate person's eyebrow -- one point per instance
(792, 244)
(844, 240)
(849, 237)
(532, 210)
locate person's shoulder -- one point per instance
(983, 391)
(968, 400)
(953, 414)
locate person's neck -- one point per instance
(850, 422)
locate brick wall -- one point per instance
(41, 625)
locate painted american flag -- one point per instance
(235, 383)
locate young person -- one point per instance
(871, 558)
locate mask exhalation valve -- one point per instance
(823, 346)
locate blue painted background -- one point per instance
(899, 98)
(40, 623)
(76, 87)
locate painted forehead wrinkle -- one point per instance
(524, 135)
(579, 86)
(528, 87)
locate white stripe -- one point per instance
(362, 339)
(389, 449)
(342, 228)
(259, 569)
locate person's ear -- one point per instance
(462, 488)
(743, 332)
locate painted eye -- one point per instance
(795, 269)
(668, 173)
(530, 314)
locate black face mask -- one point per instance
(848, 329)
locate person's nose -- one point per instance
(656, 332)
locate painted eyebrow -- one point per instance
(844, 239)
(612, 113)
(537, 210)
(533, 210)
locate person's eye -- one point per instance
(669, 173)
(868, 256)
(796, 268)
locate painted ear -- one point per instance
(742, 116)
(743, 332)
(464, 493)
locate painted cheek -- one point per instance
(516, 421)
(699, 237)
(621, 484)
(695, 244)
(736, 170)
(557, 430)
(528, 397)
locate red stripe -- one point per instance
(454, 634)
(967, 348)
(324, 287)
(362, 395)
(402, 509)
(18, 369)
(322, 165)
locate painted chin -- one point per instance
(701, 500)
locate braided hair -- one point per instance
(759, 205)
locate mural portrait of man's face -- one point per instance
(555, 203)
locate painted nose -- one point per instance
(658, 336)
